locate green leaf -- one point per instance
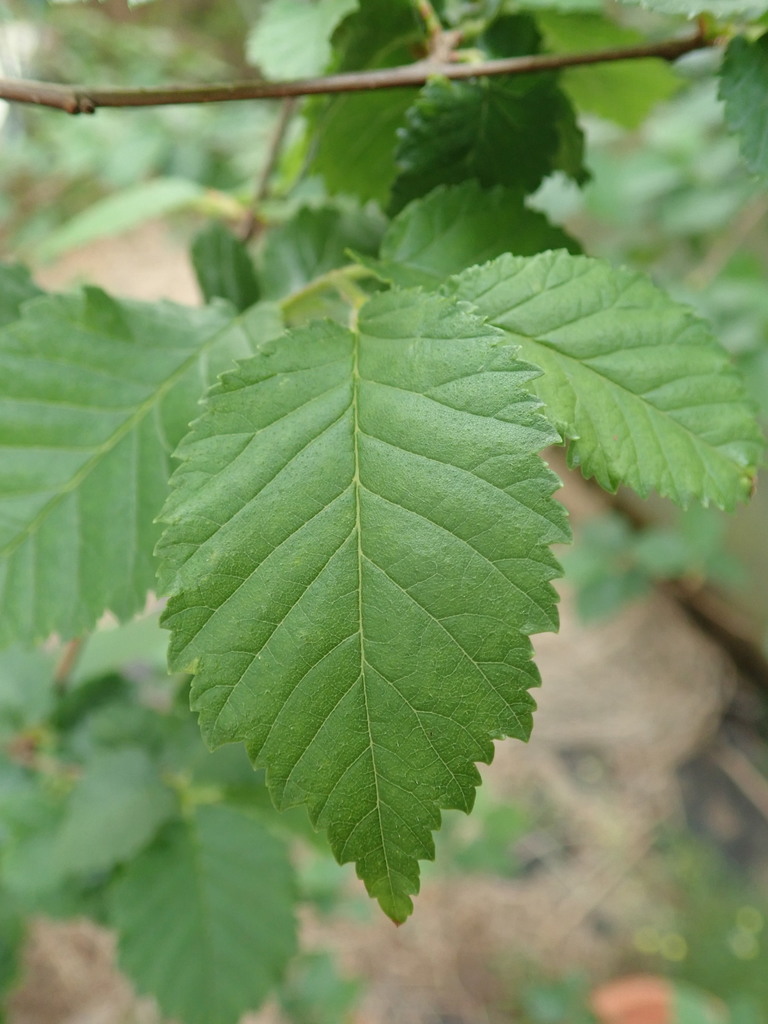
(292, 37)
(12, 929)
(94, 395)
(205, 917)
(16, 288)
(354, 143)
(356, 549)
(353, 136)
(314, 241)
(121, 212)
(224, 267)
(724, 10)
(115, 811)
(637, 383)
(621, 91)
(744, 89)
(492, 130)
(455, 227)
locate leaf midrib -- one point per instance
(154, 400)
(357, 487)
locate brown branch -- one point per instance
(78, 99)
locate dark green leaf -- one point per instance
(357, 548)
(492, 130)
(354, 142)
(224, 268)
(455, 227)
(353, 137)
(205, 917)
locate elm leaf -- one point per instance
(637, 383)
(357, 549)
(205, 916)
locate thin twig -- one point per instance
(67, 662)
(80, 99)
(429, 16)
(252, 223)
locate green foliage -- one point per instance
(224, 267)
(638, 385)
(352, 143)
(622, 91)
(204, 916)
(356, 542)
(613, 564)
(744, 88)
(403, 517)
(17, 288)
(291, 39)
(495, 131)
(92, 408)
(458, 226)
(314, 241)
(727, 10)
(115, 810)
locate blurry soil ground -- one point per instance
(629, 724)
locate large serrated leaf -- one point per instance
(744, 89)
(637, 383)
(205, 917)
(456, 227)
(357, 547)
(94, 395)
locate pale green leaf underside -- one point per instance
(205, 917)
(644, 392)
(94, 396)
(357, 547)
(291, 39)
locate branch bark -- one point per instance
(80, 99)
